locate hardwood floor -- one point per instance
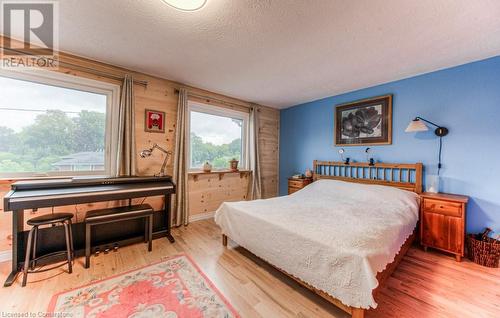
(424, 284)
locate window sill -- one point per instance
(220, 173)
(7, 180)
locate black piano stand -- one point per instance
(18, 240)
(17, 230)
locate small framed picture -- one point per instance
(364, 122)
(154, 121)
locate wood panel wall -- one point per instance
(269, 150)
(160, 94)
(208, 191)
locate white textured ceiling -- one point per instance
(283, 52)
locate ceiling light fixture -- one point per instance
(186, 5)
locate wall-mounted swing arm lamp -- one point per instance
(148, 152)
(418, 124)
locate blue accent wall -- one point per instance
(465, 99)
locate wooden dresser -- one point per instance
(295, 184)
(442, 222)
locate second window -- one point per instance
(216, 135)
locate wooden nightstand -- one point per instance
(295, 184)
(442, 222)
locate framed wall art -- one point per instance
(154, 121)
(364, 122)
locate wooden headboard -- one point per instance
(403, 176)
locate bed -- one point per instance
(341, 236)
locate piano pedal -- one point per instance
(106, 250)
(115, 247)
(97, 251)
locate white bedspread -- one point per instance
(333, 235)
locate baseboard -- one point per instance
(5, 256)
(201, 216)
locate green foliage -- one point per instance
(89, 130)
(218, 155)
(53, 135)
(7, 138)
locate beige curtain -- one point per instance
(255, 189)
(125, 158)
(180, 215)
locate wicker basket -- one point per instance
(484, 250)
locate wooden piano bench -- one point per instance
(111, 215)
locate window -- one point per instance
(54, 124)
(217, 135)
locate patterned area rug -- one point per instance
(174, 288)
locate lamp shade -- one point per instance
(416, 125)
(146, 153)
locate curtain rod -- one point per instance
(216, 99)
(100, 73)
(82, 68)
